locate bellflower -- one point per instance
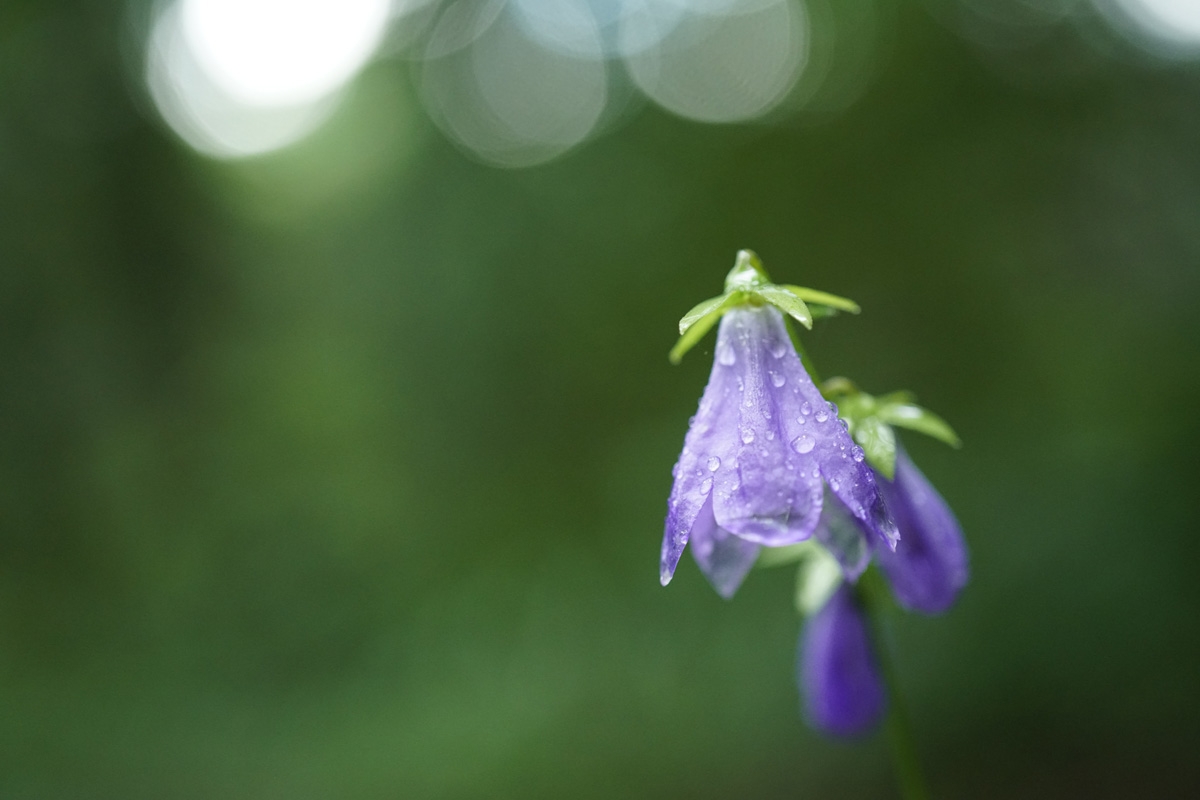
(758, 455)
(929, 566)
(840, 680)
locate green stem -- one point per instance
(901, 743)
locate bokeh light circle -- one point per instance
(509, 99)
(730, 67)
(282, 52)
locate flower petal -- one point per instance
(709, 456)
(768, 496)
(842, 536)
(790, 439)
(930, 565)
(839, 677)
(724, 559)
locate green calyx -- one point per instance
(749, 285)
(871, 420)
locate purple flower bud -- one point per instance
(758, 455)
(838, 674)
(929, 565)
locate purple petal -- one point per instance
(709, 456)
(929, 566)
(839, 676)
(842, 536)
(722, 557)
(790, 438)
(772, 494)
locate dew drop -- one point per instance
(770, 436)
(822, 415)
(858, 454)
(806, 408)
(845, 425)
(804, 443)
(747, 435)
(833, 484)
(725, 355)
(777, 379)
(801, 420)
(778, 350)
(714, 463)
(706, 486)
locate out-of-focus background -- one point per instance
(336, 424)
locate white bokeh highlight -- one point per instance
(1173, 22)
(237, 78)
(728, 67)
(510, 99)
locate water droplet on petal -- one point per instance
(778, 350)
(747, 435)
(845, 425)
(706, 486)
(822, 415)
(714, 464)
(770, 435)
(725, 355)
(777, 379)
(858, 454)
(804, 443)
(833, 484)
(806, 408)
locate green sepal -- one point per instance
(914, 417)
(787, 302)
(698, 321)
(701, 310)
(823, 298)
(748, 284)
(878, 442)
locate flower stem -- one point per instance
(909, 777)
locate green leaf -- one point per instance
(823, 298)
(697, 328)
(878, 441)
(786, 301)
(699, 311)
(922, 420)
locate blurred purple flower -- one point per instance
(757, 456)
(929, 566)
(838, 673)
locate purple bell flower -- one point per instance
(929, 565)
(758, 455)
(842, 689)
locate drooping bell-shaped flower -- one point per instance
(838, 674)
(761, 449)
(929, 566)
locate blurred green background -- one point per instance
(340, 471)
